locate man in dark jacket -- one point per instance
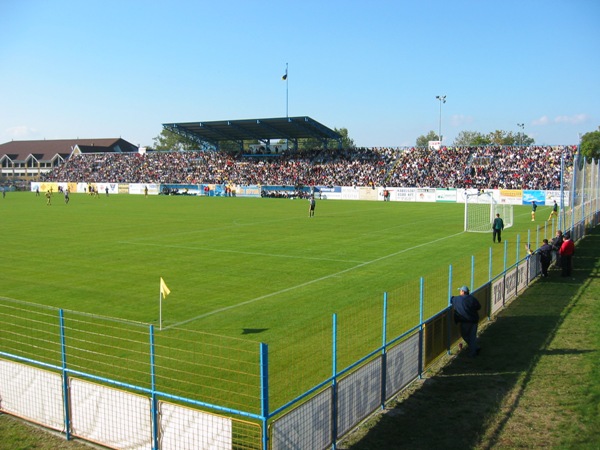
(466, 314)
(497, 228)
(545, 252)
(556, 244)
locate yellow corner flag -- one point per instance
(164, 290)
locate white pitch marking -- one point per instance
(271, 255)
(316, 280)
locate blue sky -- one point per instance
(100, 69)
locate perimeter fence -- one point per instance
(122, 385)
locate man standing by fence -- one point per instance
(466, 314)
(567, 249)
(545, 252)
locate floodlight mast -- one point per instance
(442, 99)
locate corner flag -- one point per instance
(164, 290)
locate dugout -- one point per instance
(289, 129)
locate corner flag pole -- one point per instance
(160, 311)
(163, 292)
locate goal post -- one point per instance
(481, 209)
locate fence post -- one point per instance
(153, 388)
(65, 377)
(334, 421)
(472, 271)
(264, 391)
(562, 216)
(505, 253)
(384, 351)
(584, 191)
(449, 314)
(573, 187)
(490, 252)
(421, 313)
(597, 191)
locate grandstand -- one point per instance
(118, 161)
(535, 167)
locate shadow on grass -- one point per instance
(453, 408)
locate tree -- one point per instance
(423, 141)
(470, 139)
(590, 144)
(523, 139)
(347, 141)
(310, 143)
(501, 137)
(498, 137)
(169, 141)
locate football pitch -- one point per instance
(251, 269)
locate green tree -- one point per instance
(310, 143)
(501, 137)
(498, 137)
(528, 140)
(470, 139)
(347, 141)
(423, 141)
(590, 144)
(169, 141)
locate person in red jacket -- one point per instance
(567, 249)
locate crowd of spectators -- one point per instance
(508, 167)
(489, 167)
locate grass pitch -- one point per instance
(254, 269)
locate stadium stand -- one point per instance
(505, 167)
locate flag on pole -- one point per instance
(164, 290)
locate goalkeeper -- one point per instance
(497, 228)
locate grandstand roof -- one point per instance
(285, 128)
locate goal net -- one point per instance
(481, 209)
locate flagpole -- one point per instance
(286, 91)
